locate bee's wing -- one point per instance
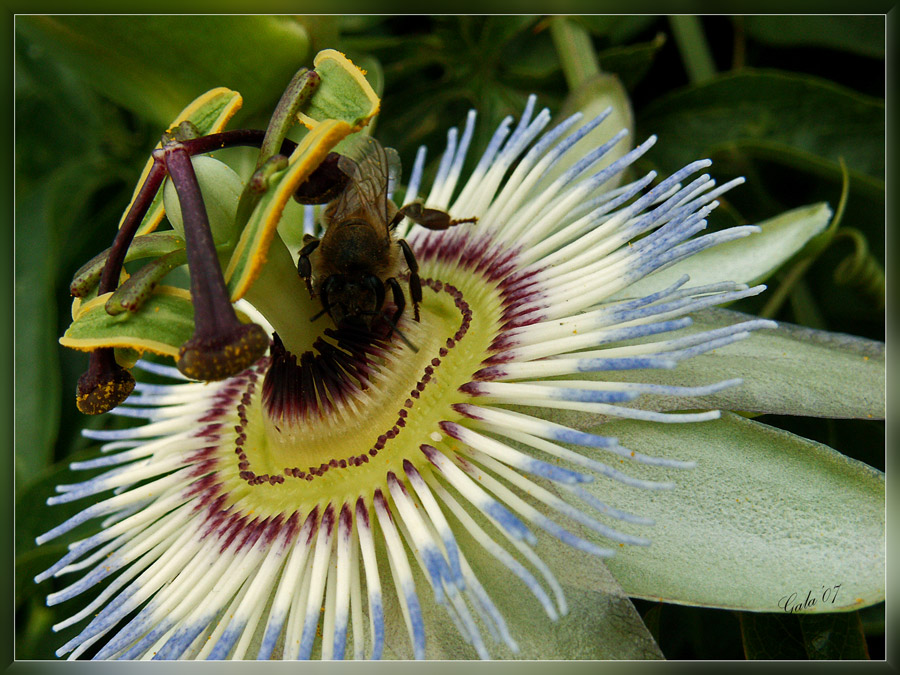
(393, 162)
(368, 166)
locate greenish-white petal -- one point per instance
(788, 370)
(766, 519)
(601, 622)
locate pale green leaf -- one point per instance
(764, 517)
(748, 260)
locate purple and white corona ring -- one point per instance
(353, 495)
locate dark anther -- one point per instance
(105, 384)
(221, 345)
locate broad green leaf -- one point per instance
(771, 636)
(748, 260)
(152, 64)
(161, 325)
(765, 520)
(862, 34)
(45, 214)
(795, 112)
(790, 370)
(37, 380)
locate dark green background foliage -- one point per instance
(782, 100)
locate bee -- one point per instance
(358, 259)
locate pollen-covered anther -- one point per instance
(105, 384)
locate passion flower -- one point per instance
(350, 479)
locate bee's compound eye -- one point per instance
(375, 286)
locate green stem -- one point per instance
(811, 252)
(694, 49)
(786, 285)
(575, 50)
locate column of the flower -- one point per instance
(221, 345)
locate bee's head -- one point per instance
(352, 300)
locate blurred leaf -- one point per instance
(433, 79)
(786, 111)
(748, 260)
(36, 373)
(764, 517)
(631, 62)
(863, 35)
(152, 64)
(836, 636)
(771, 636)
(43, 216)
(617, 28)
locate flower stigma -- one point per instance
(357, 478)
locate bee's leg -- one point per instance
(433, 219)
(415, 285)
(304, 267)
(399, 300)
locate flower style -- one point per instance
(347, 479)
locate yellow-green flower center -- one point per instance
(328, 425)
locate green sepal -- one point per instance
(786, 370)
(161, 325)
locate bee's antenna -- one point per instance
(394, 329)
(404, 338)
(317, 316)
